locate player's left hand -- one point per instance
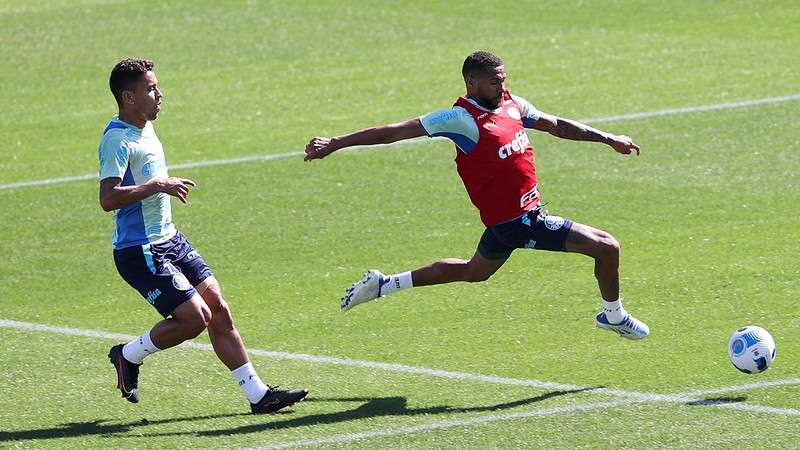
(318, 148)
(624, 145)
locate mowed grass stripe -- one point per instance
(402, 368)
(278, 156)
(443, 424)
(635, 399)
(549, 411)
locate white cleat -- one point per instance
(366, 289)
(630, 327)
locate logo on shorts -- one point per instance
(152, 296)
(531, 244)
(553, 222)
(180, 282)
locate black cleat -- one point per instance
(127, 374)
(276, 399)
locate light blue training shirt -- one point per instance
(136, 156)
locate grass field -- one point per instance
(707, 218)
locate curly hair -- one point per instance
(480, 62)
(125, 75)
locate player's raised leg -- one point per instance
(230, 349)
(375, 284)
(605, 250)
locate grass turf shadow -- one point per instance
(717, 401)
(370, 407)
(97, 428)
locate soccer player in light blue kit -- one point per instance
(153, 256)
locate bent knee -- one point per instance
(221, 317)
(212, 295)
(219, 307)
(607, 245)
(198, 321)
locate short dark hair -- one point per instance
(125, 75)
(480, 62)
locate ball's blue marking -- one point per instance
(738, 346)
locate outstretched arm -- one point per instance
(320, 147)
(576, 131)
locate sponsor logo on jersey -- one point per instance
(442, 117)
(180, 282)
(526, 198)
(488, 125)
(553, 222)
(517, 145)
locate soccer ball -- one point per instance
(751, 349)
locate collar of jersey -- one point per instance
(129, 125)
(475, 104)
(140, 131)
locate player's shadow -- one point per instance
(716, 401)
(370, 407)
(97, 427)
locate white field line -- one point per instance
(485, 419)
(401, 368)
(630, 398)
(695, 109)
(690, 396)
(211, 162)
(350, 437)
(742, 387)
(276, 156)
(759, 409)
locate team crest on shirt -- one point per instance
(180, 282)
(553, 223)
(147, 169)
(513, 112)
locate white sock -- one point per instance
(614, 311)
(396, 282)
(136, 350)
(250, 383)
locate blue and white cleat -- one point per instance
(366, 289)
(630, 327)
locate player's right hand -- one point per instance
(624, 145)
(318, 148)
(178, 187)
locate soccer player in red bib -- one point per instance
(494, 158)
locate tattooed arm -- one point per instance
(576, 131)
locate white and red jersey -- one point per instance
(494, 156)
